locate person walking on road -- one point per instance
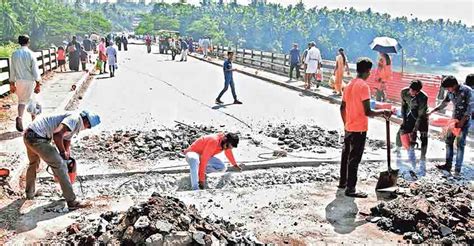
(84, 58)
(312, 64)
(184, 50)
(201, 156)
(61, 59)
(112, 58)
(87, 43)
(414, 116)
(74, 51)
(125, 42)
(148, 43)
(118, 42)
(341, 66)
(355, 110)
(228, 79)
(460, 96)
(24, 77)
(60, 128)
(103, 55)
(295, 58)
(205, 44)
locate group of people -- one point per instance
(355, 110)
(312, 63)
(25, 79)
(79, 54)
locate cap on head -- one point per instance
(313, 43)
(93, 118)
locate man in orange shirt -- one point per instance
(355, 110)
(201, 160)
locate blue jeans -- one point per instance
(228, 82)
(213, 165)
(460, 143)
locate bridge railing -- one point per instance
(280, 64)
(46, 60)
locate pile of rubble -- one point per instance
(134, 145)
(310, 138)
(428, 212)
(159, 221)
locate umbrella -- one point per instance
(385, 45)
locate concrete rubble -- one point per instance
(134, 145)
(310, 138)
(162, 220)
(429, 212)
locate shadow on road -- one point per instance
(341, 213)
(222, 106)
(10, 135)
(29, 220)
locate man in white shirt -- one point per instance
(37, 138)
(24, 77)
(312, 64)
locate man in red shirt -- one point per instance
(201, 160)
(355, 110)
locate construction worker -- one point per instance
(460, 96)
(201, 160)
(355, 110)
(60, 128)
(414, 115)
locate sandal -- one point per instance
(357, 194)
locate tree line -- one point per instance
(272, 27)
(48, 22)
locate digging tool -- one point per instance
(387, 178)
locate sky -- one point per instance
(422, 9)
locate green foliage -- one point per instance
(7, 49)
(47, 22)
(151, 24)
(206, 27)
(272, 27)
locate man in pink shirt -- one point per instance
(201, 160)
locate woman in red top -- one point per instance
(384, 74)
(201, 160)
(61, 59)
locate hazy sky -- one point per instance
(423, 9)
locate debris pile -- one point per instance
(302, 137)
(159, 221)
(434, 213)
(310, 138)
(135, 145)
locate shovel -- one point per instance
(387, 178)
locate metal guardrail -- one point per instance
(47, 61)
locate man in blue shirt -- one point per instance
(460, 96)
(184, 50)
(229, 80)
(295, 61)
